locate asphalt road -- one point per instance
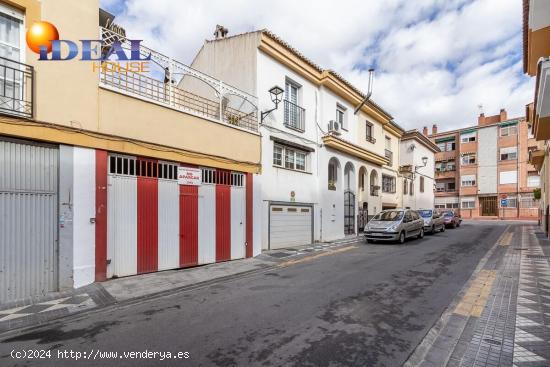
(367, 306)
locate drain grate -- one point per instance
(492, 341)
(538, 257)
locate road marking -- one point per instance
(475, 298)
(304, 259)
(505, 239)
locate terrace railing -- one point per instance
(16, 88)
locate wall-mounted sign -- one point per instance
(189, 176)
(292, 196)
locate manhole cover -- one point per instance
(538, 257)
(492, 341)
(279, 254)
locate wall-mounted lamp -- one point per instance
(276, 94)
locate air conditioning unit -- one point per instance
(334, 127)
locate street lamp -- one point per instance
(276, 94)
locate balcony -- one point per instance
(370, 139)
(174, 85)
(374, 190)
(389, 154)
(295, 116)
(16, 88)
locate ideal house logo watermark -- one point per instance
(114, 56)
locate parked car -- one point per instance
(433, 221)
(451, 219)
(394, 225)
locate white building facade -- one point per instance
(417, 165)
(322, 163)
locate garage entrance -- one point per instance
(28, 219)
(290, 225)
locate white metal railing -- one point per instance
(180, 87)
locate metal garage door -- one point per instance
(290, 225)
(28, 212)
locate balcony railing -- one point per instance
(389, 154)
(374, 190)
(16, 88)
(294, 116)
(177, 86)
(371, 139)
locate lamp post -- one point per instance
(276, 94)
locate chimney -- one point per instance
(425, 131)
(220, 32)
(434, 129)
(503, 115)
(481, 119)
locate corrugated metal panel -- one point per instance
(122, 225)
(207, 224)
(147, 224)
(289, 226)
(28, 219)
(168, 224)
(237, 222)
(189, 225)
(223, 222)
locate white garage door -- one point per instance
(290, 226)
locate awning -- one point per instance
(447, 138)
(469, 131)
(509, 123)
(291, 144)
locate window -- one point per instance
(530, 134)
(277, 155)
(509, 130)
(411, 188)
(332, 174)
(508, 154)
(291, 92)
(293, 113)
(293, 158)
(468, 159)
(421, 184)
(451, 166)
(445, 186)
(446, 146)
(533, 179)
(11, 35)
(508, 177)
(388, 143)
(451, 205)
(510, 202)
(528, 201)
(445, 166)
(405, 186)
(369, 132)
(341, 116)
(468, 203)
(468, 137)
(388, 184)
(468, 180)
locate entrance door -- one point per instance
(488, 206)
(290, 225)
(28, 219)
(349, 212)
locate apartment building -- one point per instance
(417, 165)
(108, 173)
(326, 165)
(536, 63)
(483, 170)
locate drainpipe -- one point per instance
(367, 97)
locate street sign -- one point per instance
(503, 202)
(189, 176)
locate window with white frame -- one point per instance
(468, 137)
(11, 33)
(468, 180)
(508, 177)
(468, 202)
(289, 158)
(510, 202)
(508, 154)
(508, 130)
(533, 179)
(388, 184)
(468, 159)
(341, 116)
(446, 146)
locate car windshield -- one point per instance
(390, 215)
(425, 213)
(448, 214)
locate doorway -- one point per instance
(488, 206)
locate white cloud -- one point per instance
(436, 60)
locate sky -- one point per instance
(436, 61)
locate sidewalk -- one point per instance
(41, 310)
(502, 315)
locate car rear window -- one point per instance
(425, 213)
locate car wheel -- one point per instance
(443, 228)
(402, 237)
(432, 231)
(421, 234)
(454, 225)
(458, 224)
(369, 241)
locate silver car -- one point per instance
(394, 225)
(433, 221)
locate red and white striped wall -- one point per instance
(146, 222)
